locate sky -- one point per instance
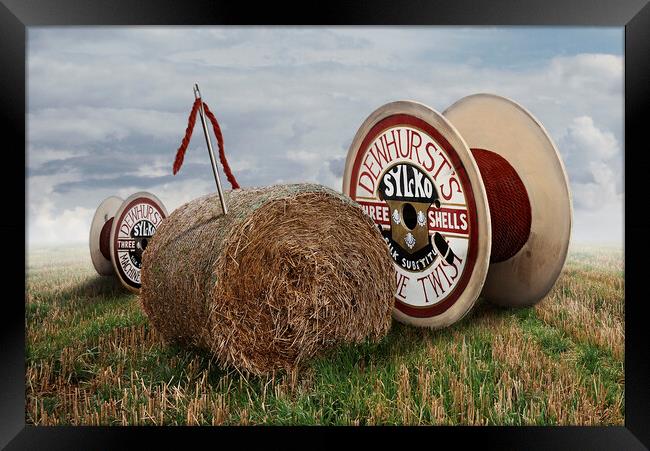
(108, 107)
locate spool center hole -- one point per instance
(409, 216)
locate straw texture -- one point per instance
(291, 271)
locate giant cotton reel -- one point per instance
(120, 232)
(497, 222)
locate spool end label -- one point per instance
(134, 228)
(411, 182)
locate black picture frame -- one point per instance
(16, 15)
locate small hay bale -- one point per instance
(291, 271)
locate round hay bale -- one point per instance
(290, 271)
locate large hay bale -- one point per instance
(290, 271)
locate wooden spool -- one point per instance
(119, 234)
(501, 126)
(497, 222)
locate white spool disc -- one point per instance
(136, 220)
(104, 213)
(437, 223)
(502, 126)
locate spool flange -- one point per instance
(100, 227)
(120, 232)
(502, 126)
(441, 257)
(135, 223)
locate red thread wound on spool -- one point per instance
(509, 204)
(105, 239)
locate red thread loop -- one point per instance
(180, 153)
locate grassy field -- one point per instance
(92, 358)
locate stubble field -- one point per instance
(92, 358)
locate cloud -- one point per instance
(173, 195)
(47, 156)
(125, 180)
(47, 226)
(594, 162)
(578, 71)
(107, 108)
(273, 48)
(331, 174)
(603, 225)
(81, 125)
(583, 142)
(52, 218)
(337, 166)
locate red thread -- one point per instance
(180, 153)
(105, 239)
(510, 212)
(222, 154)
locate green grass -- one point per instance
(93, 358)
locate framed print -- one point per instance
(376, 215)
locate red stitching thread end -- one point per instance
(222, 155)
(180, 153)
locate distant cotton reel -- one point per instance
(120, 232)
(474, 201)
